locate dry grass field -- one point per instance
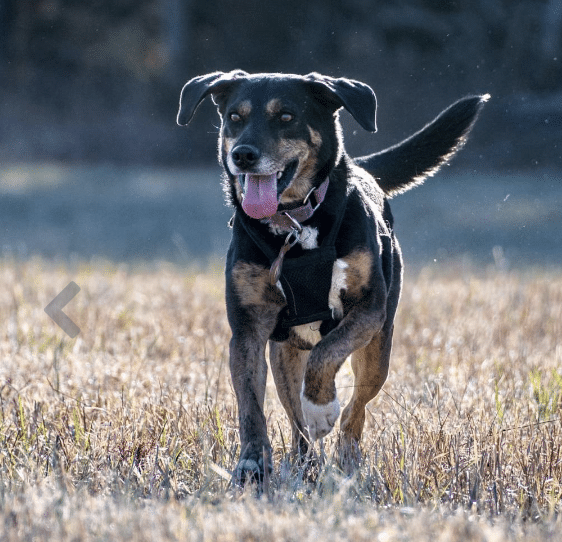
(128, 431)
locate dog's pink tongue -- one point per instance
(260, 196)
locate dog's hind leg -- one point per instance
(370, 367)
(287, 365)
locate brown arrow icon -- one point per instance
(54, 310)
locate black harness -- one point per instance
(306, 279)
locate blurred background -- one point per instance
(92, 163)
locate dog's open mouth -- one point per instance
(262, 192)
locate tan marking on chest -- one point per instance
(360, 265)
(309, 333)
(252, 285)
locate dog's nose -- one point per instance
(245, 156)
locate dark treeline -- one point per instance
(100, 80)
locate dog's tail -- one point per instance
(410, 162)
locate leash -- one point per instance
(277, 265)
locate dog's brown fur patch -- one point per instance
(244, 108)
(253, 287)
(307, 154)
(370, 367)
(320, 387)
(228, 143)
(315, 137)
(358, 272)
(273, 107)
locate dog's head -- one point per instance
(280, 134)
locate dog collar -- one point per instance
(286, 219)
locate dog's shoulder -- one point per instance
(367, 243)
(367, 215)
(367, 188)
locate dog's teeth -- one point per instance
(279, 174)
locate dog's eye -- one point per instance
(235, 117)
(286, 117)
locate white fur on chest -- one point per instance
(308, 238)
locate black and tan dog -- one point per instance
(314, 267)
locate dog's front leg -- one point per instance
(366, 318)
(249, 374)
(252, 306)
(319, 399)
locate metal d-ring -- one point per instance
(308, 195)
(290, 244)
(296, 225)
(313, 209)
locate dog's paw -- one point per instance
(251, 470)
(319, 419)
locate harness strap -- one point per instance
(306, 279)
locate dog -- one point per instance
(314, 268)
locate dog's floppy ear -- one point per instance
(358, 98)
(198, 88)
